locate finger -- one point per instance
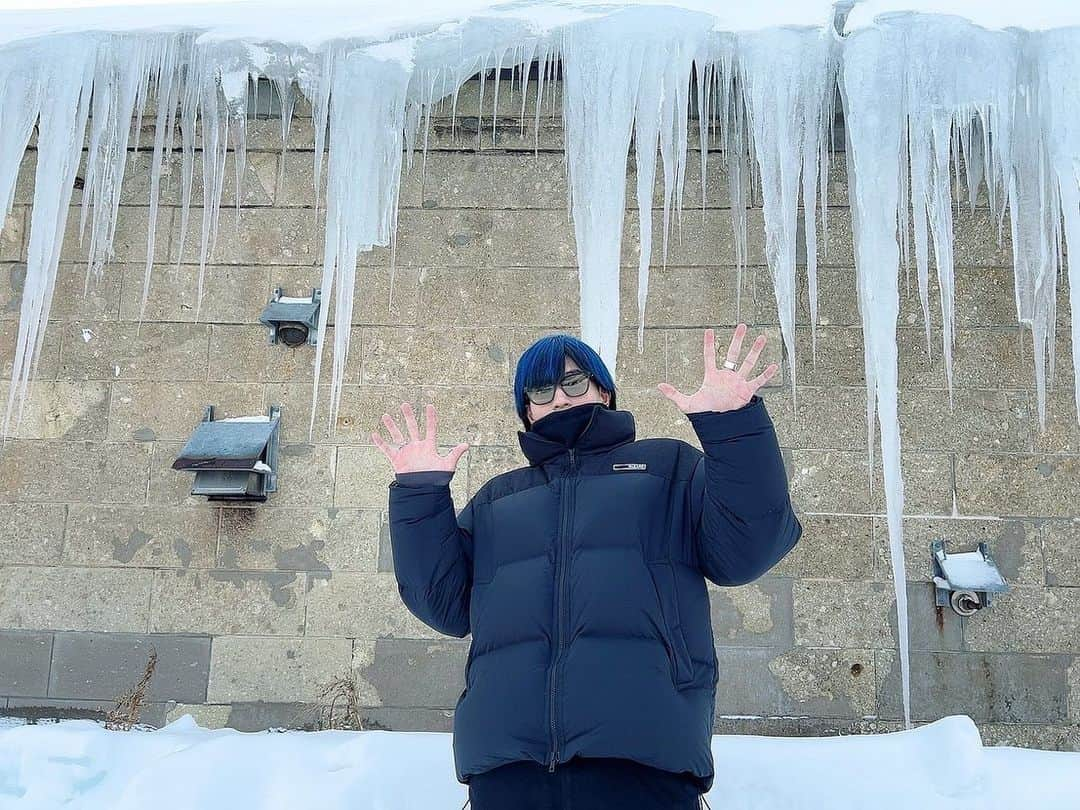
(764, 376)
(674, 395)
(380, 442)
(410, 421)
(710, 350)
(752, 357)
(735, 347)
(395, 431)
(432, 423)
(455, 454)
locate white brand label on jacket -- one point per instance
(628, 466)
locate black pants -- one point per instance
(593, 783)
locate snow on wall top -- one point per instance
(1032, 15)
(311, 23)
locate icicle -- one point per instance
(610, 72)
(786, 77)
(166, 79)
(369, 89)
(53, 84)
(873, 105)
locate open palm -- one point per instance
(724, 389)
(416, 454)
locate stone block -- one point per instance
(13, 234)
(74, 472)
(259, 179)
(256, 668)
(395, 719)
(757, 614)
(48, 358)
(412, 672)
(320, 541)
(260, 236)
(306, 474)
(1017, 484)
(488, 179)
(97, 350)
(228, 602)
(131, 240)
(1019, 735)
(62, 410)
(991, 420)
(230, 293)
(839, 360)
(984, 686)
(539, 238)
(465, 132)
(479, 416)
(681, 296)
(265, 715)
(513, 298)
(31, 533)
(103, 666)
(37, 709)
(814, 475)
(205, 715)
(75, 297)
(1061, 544)
(245, 354)
(1000, 357)
(24, 662)
(746, 685)
(297, 181)
(1062, 433)
(831, 546)
(141, 536)
(440, 237)
(149, 411)
(703, 239)
(1027, 619)
(477, 356)
(826, 682)
(93, 599)
(819, 417)
(352, 605)
(830, 613)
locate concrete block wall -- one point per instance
(103, 552)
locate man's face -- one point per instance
(562, 401)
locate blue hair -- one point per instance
(544, 363)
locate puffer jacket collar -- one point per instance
(586, 428)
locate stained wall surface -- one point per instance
(254, 613)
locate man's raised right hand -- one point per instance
(416, 455)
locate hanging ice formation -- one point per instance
(764, 79)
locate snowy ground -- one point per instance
(79, 764)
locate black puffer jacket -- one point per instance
(582, 580)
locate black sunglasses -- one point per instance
(574, 383)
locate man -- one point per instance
(591, 678)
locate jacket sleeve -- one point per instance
(433, 569)
(740, 506)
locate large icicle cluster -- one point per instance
(919, 90)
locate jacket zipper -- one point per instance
(568, 508)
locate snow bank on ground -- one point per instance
(82, 765)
